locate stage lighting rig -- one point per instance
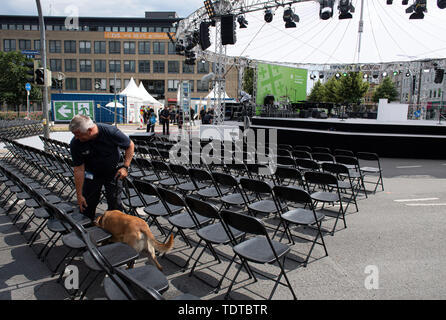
(290, 18)
(209, 8)
(441, 4)
(190, 57)
(268, 15)
(242, 22)
(418, 8)
(326, 10)
(346, 9)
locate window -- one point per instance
(172, 85)
(85, 65)
(99, 47)
(85, 84)
(129, 29)
(56, 64)
(34, 27)
(100, 66)
(158, 29)
(118, 84)
(201, 87)
(126, 82)
(20, 27)
(114, 47)
(114, 66)
(36, 44)
(129, 47)
(24, 44)
(158, 66)
(143, 29)
(8, 45)
(100, 84)
(70, 46)
(121, 29)
(191, 85)
(173, 67)
(144, 66)
(159, 48)
(55, 46)
(187, 68)
(100, 29)
(4, 27)
(137, 29)
(70, 65)
(129, 66)
(56, 28)
(107, 29)
(12, 27)
(203, 67)
(151, 29)
(171, 48)
(84, 47)
(156, 87)
(144, 47)
(70, 84)
(115, 29)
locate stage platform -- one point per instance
(407, 139)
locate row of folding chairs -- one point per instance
(20, 128)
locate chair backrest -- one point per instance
(179, 170)
(300, 154)
(320, 178)
(199, 175)
(284, 152)
(343, 152)
(224, 179)
(322, 156)
(171, 197)
(288, 173)
(335, 168)
(160, 166)
(256, 186)
(202, 208)
(369, 156)
(302, 148)
(347, 160)
(286, 161)
(292, 194)
(320, 149)
(307, 164)
(243, 222)
(145, 187)
(286, 146)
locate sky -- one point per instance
(388, 35)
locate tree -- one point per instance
(317, 94)
(352, 88)
(248, 81)
(13, 79)
(386, 90)
(331, 90)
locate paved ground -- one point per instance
(397, 239)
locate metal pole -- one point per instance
(440, 108)
(27, 104)
(46, 129)
(116, 111)
(361, 28)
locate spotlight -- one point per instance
(321, 76)
(209, 8)
(313, 76)
(407, 74)
(268, 15)
(441, 4)
(384, 74)
(289, 17)
(326, 10)
(419, 7)
(242, 22)
(375, 76)
(345, 74)
(389, 1)
(365, 76)
(337, 75)
(395, 73)
(405, 2)
(345, 7)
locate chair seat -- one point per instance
(41, 213)
(258, 250)
(370, 170)
(236, 199)
(325, 196)
(31, 203)
(117, 254)
(72, 240)
(212, 192)
(184, 220)
(55, 225)
(159, 209)
(170, 182)
(22, 196)
(264, 206)
(136, 202)
(148, 275)
(215, 233)
(190, 186)
(150, 178)
(343, 185)
(302, 216)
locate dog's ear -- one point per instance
(98, 221)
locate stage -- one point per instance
(421, 139)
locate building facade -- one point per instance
(92, 52)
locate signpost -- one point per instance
(66, 110)
(28, 89)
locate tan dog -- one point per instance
(134, 231)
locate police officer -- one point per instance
(95, 153)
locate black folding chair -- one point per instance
(259, 249)
(372, 167)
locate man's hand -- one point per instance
(122, 173)
(82, 203)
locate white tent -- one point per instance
(134, 101)
(148, 99)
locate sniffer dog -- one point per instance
(134, 231)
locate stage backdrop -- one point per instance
(281, 82)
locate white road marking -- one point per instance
(422, 199)
(425, 204)
(408, 167)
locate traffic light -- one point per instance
(30, 71)
(39, 76)
(439, 73)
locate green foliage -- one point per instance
(331, 90)
(386, 90)
(317, 93)
(13, 79)
(248, 81)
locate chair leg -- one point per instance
(232, 282)
(89, 285)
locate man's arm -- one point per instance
(79, 176)
(122, 173)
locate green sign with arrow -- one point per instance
(66, 110)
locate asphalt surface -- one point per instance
(393, 248)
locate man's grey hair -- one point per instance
(80, 123)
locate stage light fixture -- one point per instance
(375, 76)
(337, 75)
(345, 74)
(417, 9)
(439, 74)
(313, 76)
(389, 1)
(242, 22)
(326, 9)
(405, 2)
(365, 76)
(407, 74)
(209, 8)
(346, 9)
(268, 15)
(384, 74)
(290, 18)
(321, 76)
(441, 4)
(395, 73)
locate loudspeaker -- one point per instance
(439, 74)
(205, 39)
(228, 29)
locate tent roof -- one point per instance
(147, 97)
(131, 90)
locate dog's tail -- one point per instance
(163, 247)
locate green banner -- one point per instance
(66, 110)
(284, 83)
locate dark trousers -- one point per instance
(166, 127)
(92, 193)
(150, 127)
